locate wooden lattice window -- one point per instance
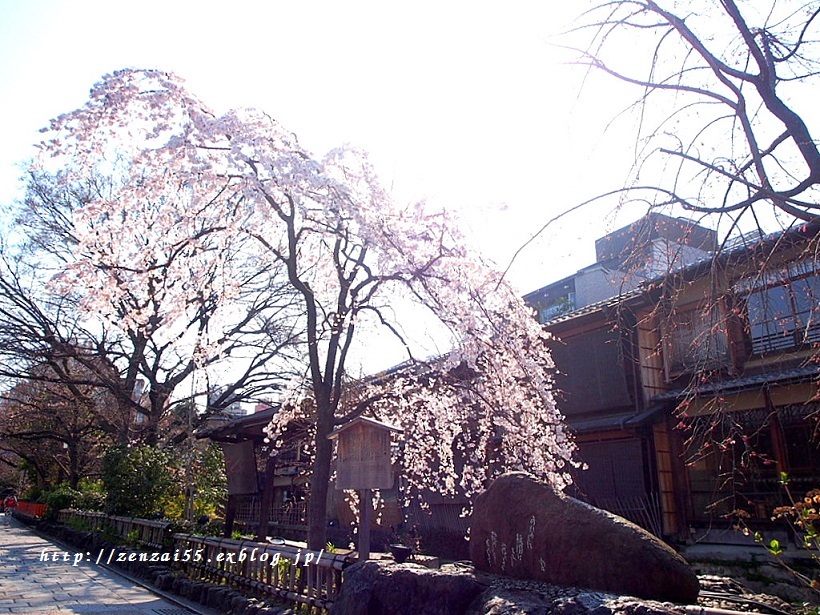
(783, 310)
(695, 340)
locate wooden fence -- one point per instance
(644, 511)
(311, 578)
(143, 532)
(292, 514)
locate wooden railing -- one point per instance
(144, 532)
(33, 510)
(290, 514)
(311, 578)
(644, 510)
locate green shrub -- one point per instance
(81, 525)
(208, 488)
(138, 480)
(60, 498)
(35, 494)
(92, 495)
(91, 500)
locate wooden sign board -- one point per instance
(363, 454)
(240, 464)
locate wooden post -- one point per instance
(266, 502)
(365, 512)
(230, 515)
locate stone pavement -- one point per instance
(30, 585)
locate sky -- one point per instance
(469, 105)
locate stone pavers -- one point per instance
(30, 585)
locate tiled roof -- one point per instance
(628, 420)
(782, 376)
(233, 427)
(799, 233)
(611, 302)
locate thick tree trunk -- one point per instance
(319, 483)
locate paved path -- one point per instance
(35, 587)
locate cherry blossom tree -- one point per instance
(140, 362)
(43, 341)
(59, 428)
(239, 187)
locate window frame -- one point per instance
(791, 331)
(707, 330)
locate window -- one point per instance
(615, 470)
(736, 459)
(783, 310)
(733, 465)
(591, 374)
(695, 339)
(802, 452)
(559, 306)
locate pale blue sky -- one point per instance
(465, 103)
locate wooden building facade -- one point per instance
(690, 393)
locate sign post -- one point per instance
(363, 464)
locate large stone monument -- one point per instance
(524, 528)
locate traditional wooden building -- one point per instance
(731, 345)
(690, 391)
(688, 376)
(263, 489)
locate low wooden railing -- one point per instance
(144, 532)
(311, 578)
(33, 510)
(289, 514)
(644, 510)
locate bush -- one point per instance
(208, 487)
(138, 480)
(35, 494)
(62, 497)
(92, 495)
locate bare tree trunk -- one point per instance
(319, 483)
(73, 465)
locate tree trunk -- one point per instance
(230, 515)
(123, 424)
(73, 465)
(319, 483)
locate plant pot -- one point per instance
(401, 553)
